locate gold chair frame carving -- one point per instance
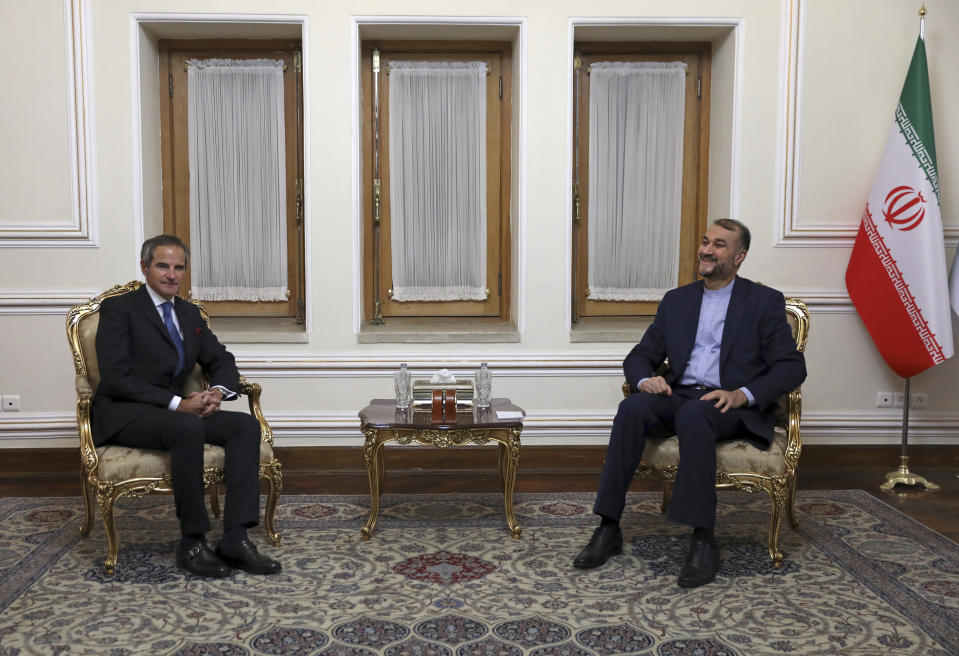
(781, 487)
(105, 493)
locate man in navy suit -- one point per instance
(731, 354)
(148, 342)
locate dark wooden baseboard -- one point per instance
(548, 461)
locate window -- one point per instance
(436, 169)
(647, 173)
(240, 170)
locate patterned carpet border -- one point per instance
(442, 577)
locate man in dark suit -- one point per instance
(731, 354)
(148, 342)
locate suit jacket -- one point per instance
(757, 349)
(137, 359)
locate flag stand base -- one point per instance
(903, 476)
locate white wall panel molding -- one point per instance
(80, 228)
(824, 301)
(58, 429)
(791, 230)
(42, 301)
(257, 366)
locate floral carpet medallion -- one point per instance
(442, 577)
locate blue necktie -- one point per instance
(174, 334)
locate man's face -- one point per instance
(165, 271)
(720, 254)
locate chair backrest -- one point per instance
(82, 323)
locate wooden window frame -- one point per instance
(697, 56)
(175, 158)
(377, 277)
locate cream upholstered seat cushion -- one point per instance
(118, 463)
(731, 455)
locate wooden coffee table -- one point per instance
(381, 421)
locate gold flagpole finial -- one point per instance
(922, 21)
(922, 11)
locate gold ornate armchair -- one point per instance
(739, 464)
(110, 472)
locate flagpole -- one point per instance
(922, 21)
(903, 476)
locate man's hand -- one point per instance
(726, 400)
(656, 385)
(203, 404)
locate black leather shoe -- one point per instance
(702, 563)
(606, 541)
(200, 561)
(243, 555)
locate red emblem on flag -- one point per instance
(904, 208)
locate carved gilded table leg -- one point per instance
(374, 459)
(510, 449)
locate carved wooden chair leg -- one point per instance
(778, 502)
(109, 524)
(791, 501)
(667, 495)
(274, 476)
(215, 499)
(88, 500)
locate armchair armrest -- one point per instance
(252, 392)
(82, 383)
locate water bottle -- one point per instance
(483, 381)
(403, 387)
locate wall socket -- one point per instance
(10, 402)
(918, 400)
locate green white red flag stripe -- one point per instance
(896, 275)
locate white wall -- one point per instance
(814, 97)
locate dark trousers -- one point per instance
(698, 424)
(183, 435)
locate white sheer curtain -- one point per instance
(636, 114)
(237, 179)
(437, 142)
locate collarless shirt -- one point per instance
(703, 367)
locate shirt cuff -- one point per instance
(174, 402)
(750, 399)
(228, 395)
(640, 383)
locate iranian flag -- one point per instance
(896, 276)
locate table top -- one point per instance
(383, 413)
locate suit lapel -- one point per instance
(734, 319)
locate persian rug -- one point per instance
(442, 577)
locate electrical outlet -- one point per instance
(900, 398)
(884, 399)
(10, 402)
(919, 401)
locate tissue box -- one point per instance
(423, 392)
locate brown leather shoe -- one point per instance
(200, 561)
(606, 541)
(243, 555)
